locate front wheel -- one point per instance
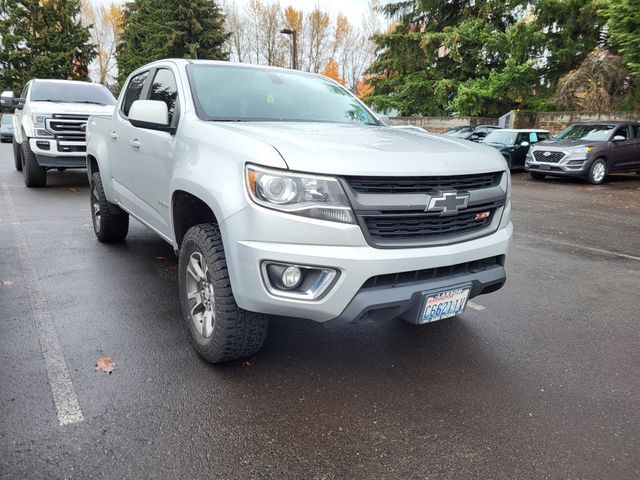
(110, 223)
(219, 329)
(17, 155)
(597, 172)
(34, 175)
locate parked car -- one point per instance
(514, 144)
(471, 132)
(589, 151)
(49, 125)
(410, 128)
(283, 194)
(6, 128)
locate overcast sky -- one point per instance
(353, 9)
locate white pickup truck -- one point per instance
(49, 125)
(284, 195)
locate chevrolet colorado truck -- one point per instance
(49, 125)
(282, 194)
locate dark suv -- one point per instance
(587, 150)
(475, 133)
(514, 143)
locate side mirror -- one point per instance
(619, 138)
(525, 144)
(384, 119)
(7, 99)
(150, 114)
(474, 137)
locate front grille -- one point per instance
(423, 184)
(419, 276)
(548, 157)
(390, 229)
(68, 127)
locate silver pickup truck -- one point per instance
(284, 195)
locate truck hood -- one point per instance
(340, 149)
(44, 108)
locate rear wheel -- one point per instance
(17, 155)
(34, 175)
(537, 176)
(110, 222)
(597, 172)
(219, 329)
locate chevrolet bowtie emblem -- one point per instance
(448, 203)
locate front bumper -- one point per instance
(294, 240)
(4, 136)
(571, 165)
(54, 153)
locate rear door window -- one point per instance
(133, 92)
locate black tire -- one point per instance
(236, 333)
(17, 155)
(33, 174)
(110, 222)
(537, 176)
(593, 175)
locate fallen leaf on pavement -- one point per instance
(6, 283)
(248, 362)
(105, 364)
(71, 189)
(160, 258)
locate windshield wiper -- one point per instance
(88, 101)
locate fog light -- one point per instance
(305, 282)
(291, 277)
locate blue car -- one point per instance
(6, 128)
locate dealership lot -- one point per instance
(539, 380)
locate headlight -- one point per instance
(300, 194)
(38, 125)
(583, 150)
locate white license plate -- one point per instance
(444, 304)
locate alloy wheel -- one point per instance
(200, 295)
(598, 172)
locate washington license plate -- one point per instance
(444, 304)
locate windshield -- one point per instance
(78, 92)
(585, 132)
(6, 120)
(224, 93)
(459, 131)
(501, 137)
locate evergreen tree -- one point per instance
(155, 29)
(481, 57)
(623, 22)
(42, 39)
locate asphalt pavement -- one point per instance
(540, 380)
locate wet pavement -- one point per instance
(540, 381)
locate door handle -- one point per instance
(134, 143)
(113, 135)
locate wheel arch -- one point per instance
(189, 209)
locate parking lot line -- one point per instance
(583, 247)
(64, 395)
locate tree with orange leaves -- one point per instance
(332, 70)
